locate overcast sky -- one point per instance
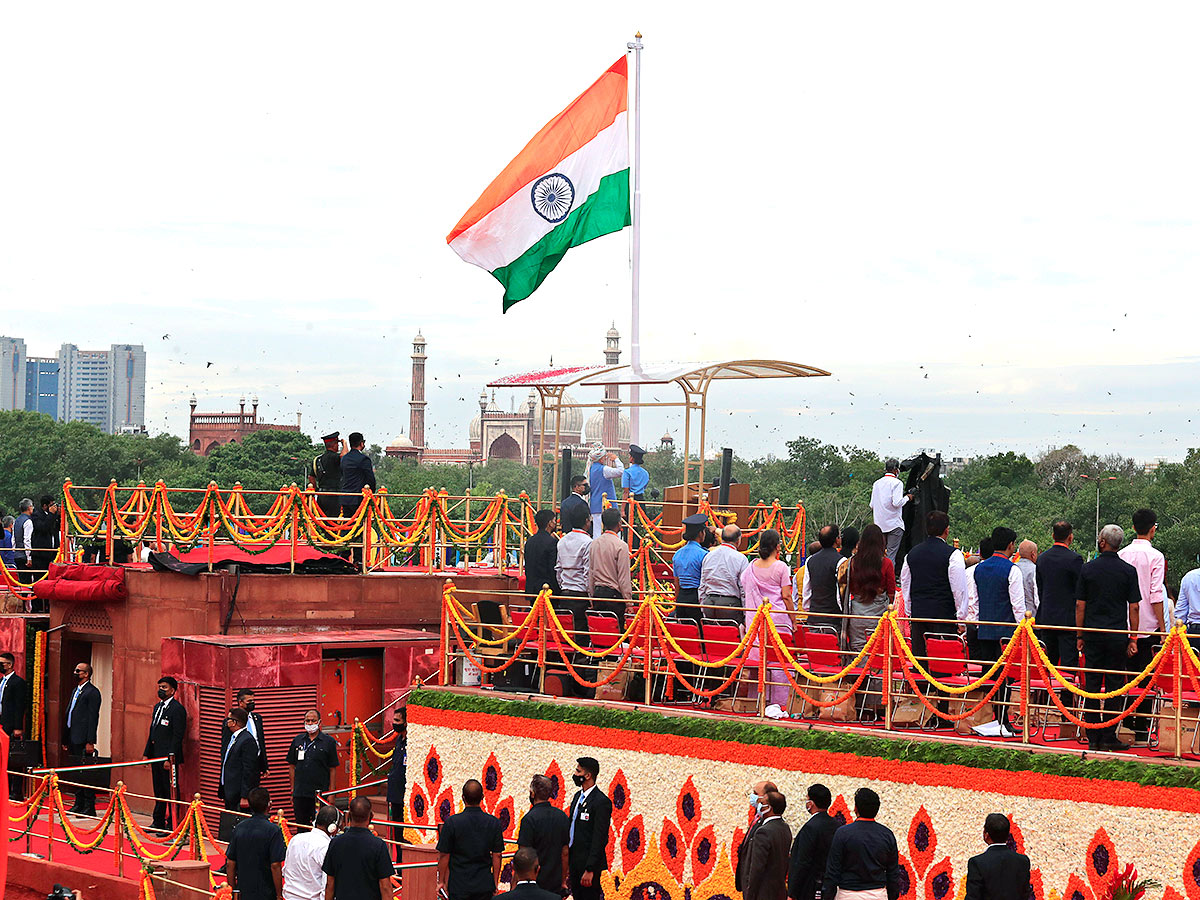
(981, 219)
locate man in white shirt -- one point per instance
(721, 593)
(1027, 563)
(303, 878)
(572, 566)
(887, 502)
(1154, 614)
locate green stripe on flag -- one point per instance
(605, 211)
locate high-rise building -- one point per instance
(104, 387)
(41, 385)
(12, 373)
(126, 388)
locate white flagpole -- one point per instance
(635, 344)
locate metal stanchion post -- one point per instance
(29, 831)
(51, 787)
(1027, 648)
(118, 829)
(762, 668)
(1178, 698)
(649, 642)
(887, 673)
(174, 789)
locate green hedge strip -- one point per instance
(753, 733)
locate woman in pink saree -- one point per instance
(768, 580)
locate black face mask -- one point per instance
(81, 676)
(397, 728)
(578, 779)
(163, 693)
(249, 706)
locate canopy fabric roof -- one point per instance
(660, 373)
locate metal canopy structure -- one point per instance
(693, 379)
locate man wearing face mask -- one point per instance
(546, 829)
(13, 712)
(254, 725)
(810, 851)
(758, 808)
(397, 782)
(79, 730)
(590, 817)
(168, 726)
(312, 756)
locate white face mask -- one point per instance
(311, 729)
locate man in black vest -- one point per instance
(325, 475)
(168, 728)
(999, 872)
(1057, 578)
(810, 850)
(820, 593)
(934, 583)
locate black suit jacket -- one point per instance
(86, 717)
(262, 743)
(12, 706)
(528, 890)
(167, 733)
(810, 852)
(998, 873)
(766, 863)
(239, 772)
(1056, 578)
(589, 851)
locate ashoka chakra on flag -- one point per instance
(569, 185)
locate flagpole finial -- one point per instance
(638, 35)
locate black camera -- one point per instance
(61, 893)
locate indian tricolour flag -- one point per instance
(570, 184)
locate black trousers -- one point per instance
(303, 810)
(579, 892)
(1062, 650)
(1145, 652)
(1109, 655)
(576, 603)
(85, 798)
(989, 651)
(688, 605)
(228, 820)
(396, 814)
(607, 599)
(162, 790)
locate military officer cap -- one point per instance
(636, 451)
(332, 436)
(696, 520)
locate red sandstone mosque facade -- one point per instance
(513, 434)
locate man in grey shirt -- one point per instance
(721, 594)
(1026, 562)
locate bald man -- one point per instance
(1026, 562)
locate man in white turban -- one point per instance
(603, 468)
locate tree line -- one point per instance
(833, 483)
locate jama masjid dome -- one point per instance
(490, 406)
(594, 430)
(572, 419)
(399, 442)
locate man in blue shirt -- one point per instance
(1187, 607)
(686, 565)
(636, 478)
(634, 483)
(603, 467)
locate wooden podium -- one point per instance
(678, 496)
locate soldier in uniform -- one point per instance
(325, 475)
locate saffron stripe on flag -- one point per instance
(589, 114)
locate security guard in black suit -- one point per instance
(13, 707)
(79, 732)
(590, 816)
(254, 725)
(999, 872)
(168, 728)
(239, 768)
(13, 711)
